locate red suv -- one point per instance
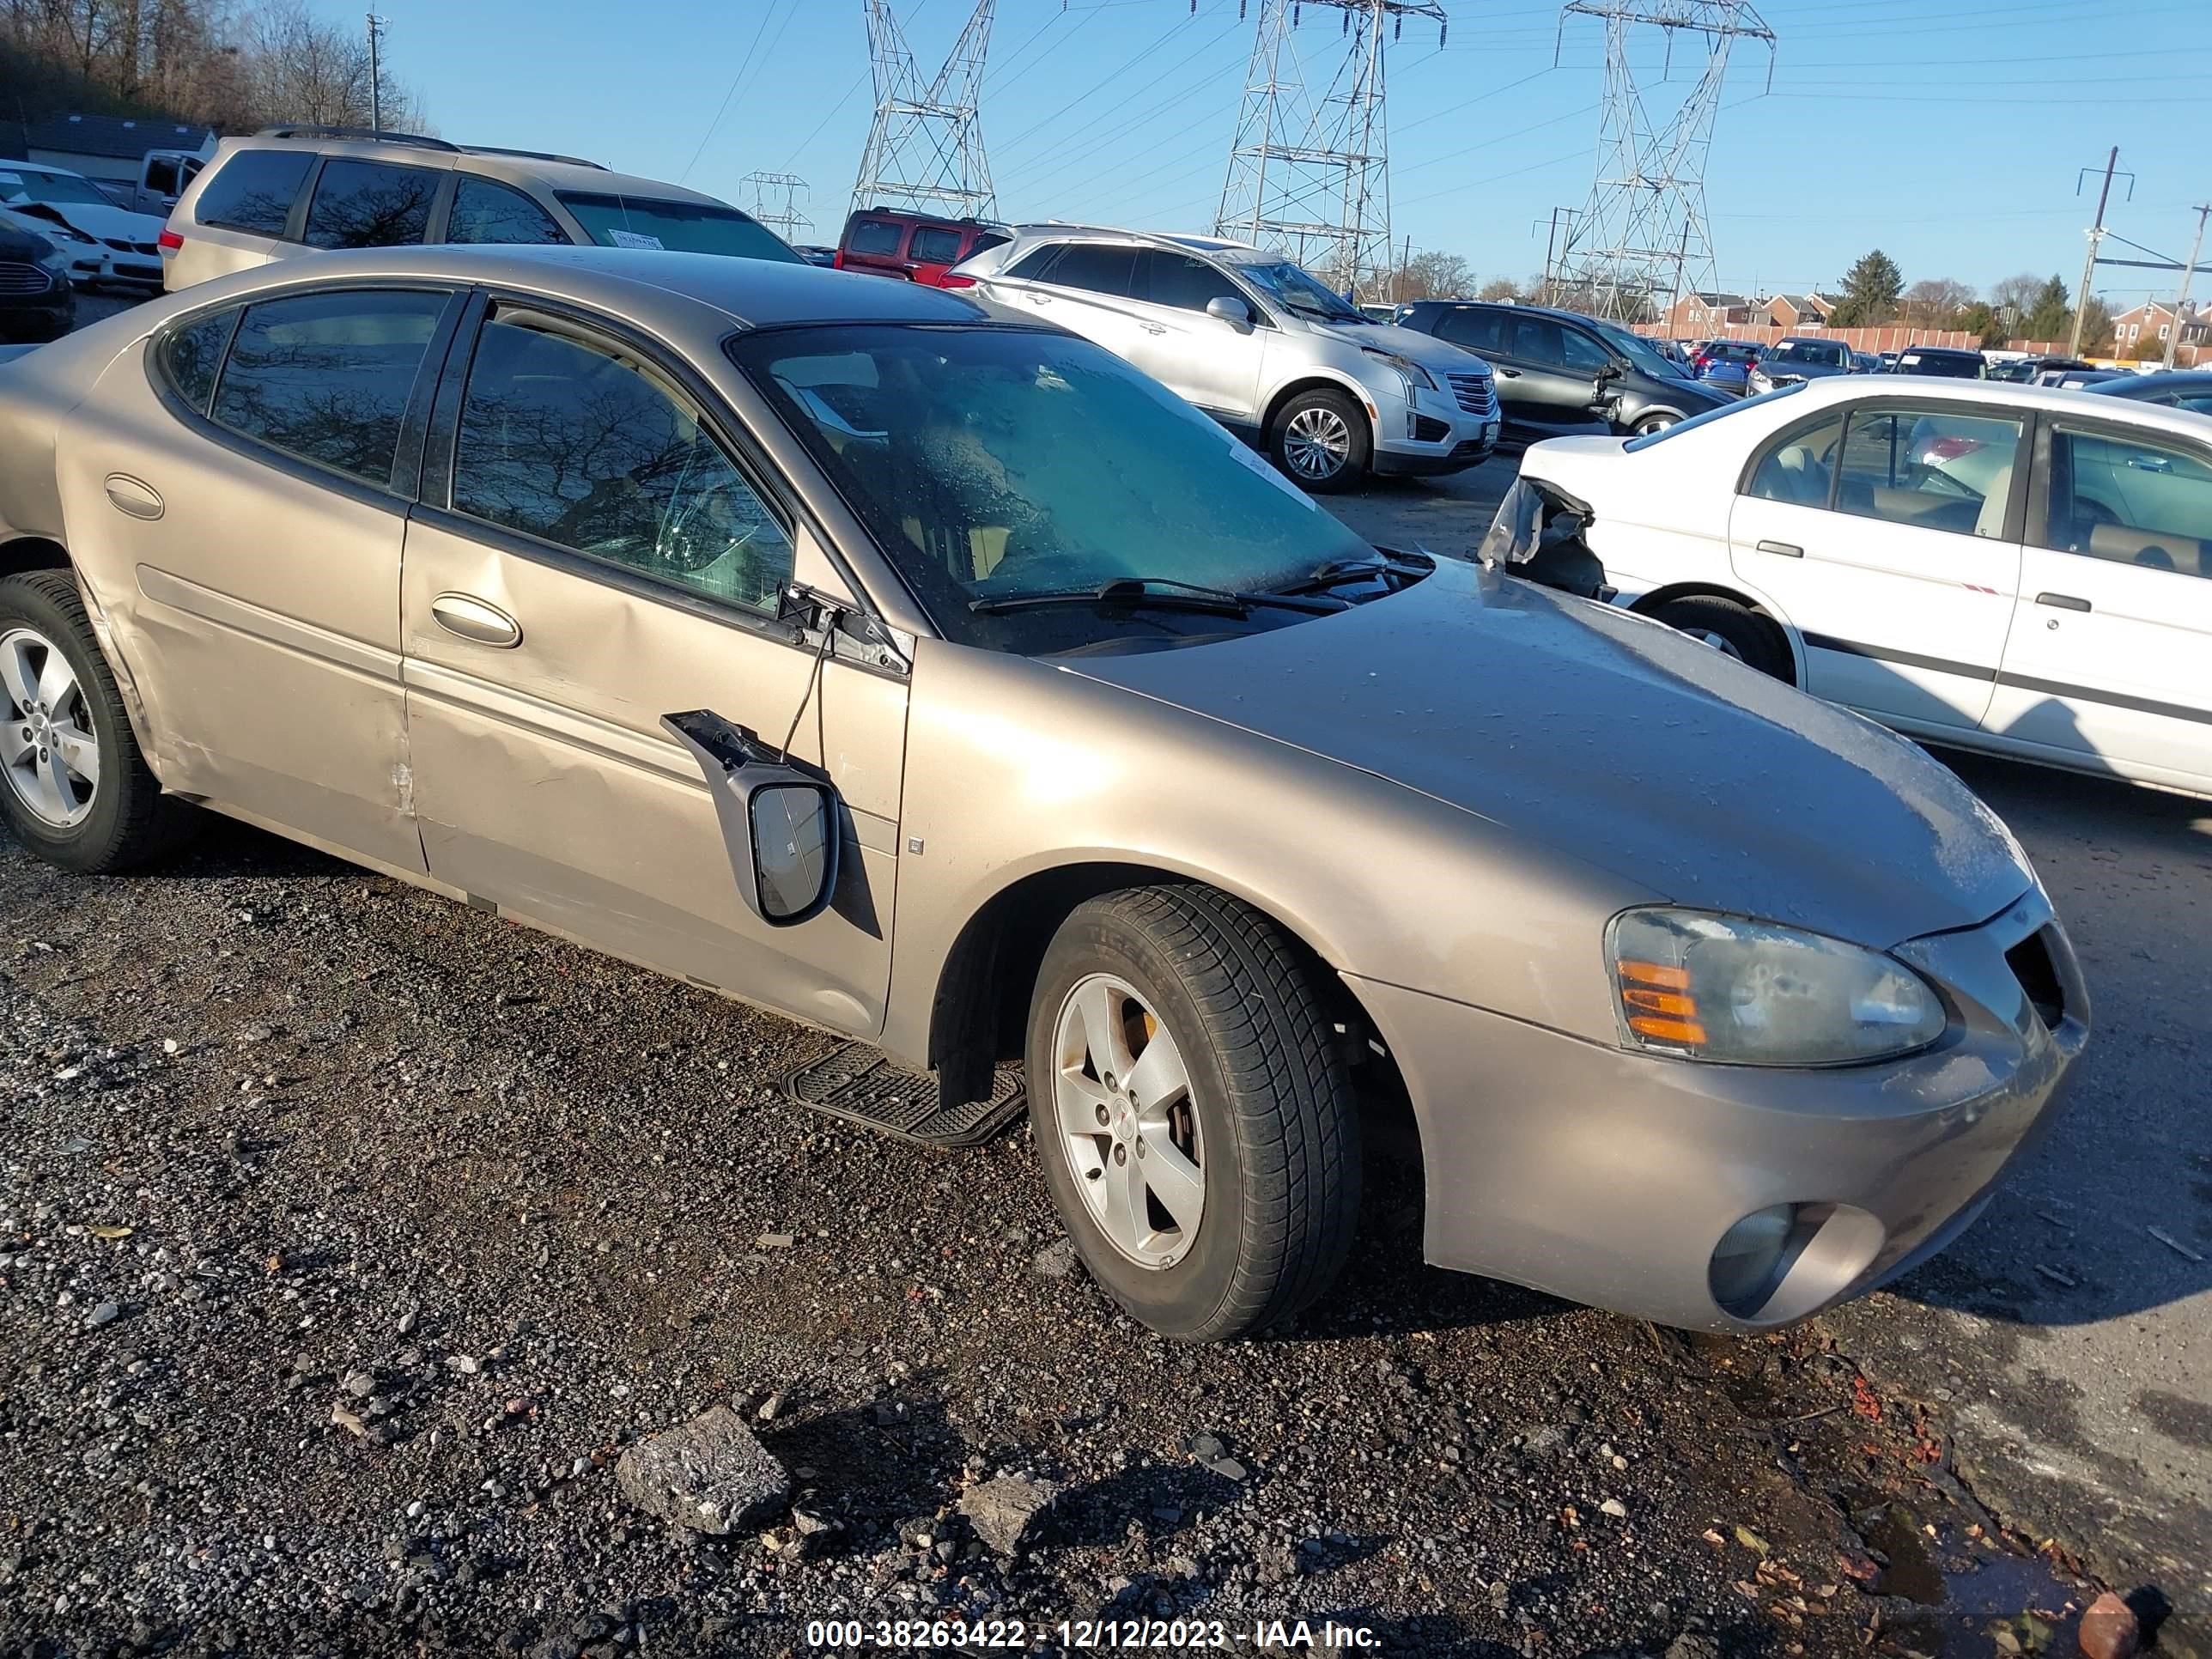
(914, 245)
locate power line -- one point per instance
(744, 63)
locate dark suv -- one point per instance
(1559, 372)
(886, 242)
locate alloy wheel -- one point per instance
(48, 748)
(1128, 1125)
(1318, 443)
(1720, 642)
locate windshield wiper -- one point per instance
(1337, 573)
(1167, 593)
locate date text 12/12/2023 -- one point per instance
(1087, 1635)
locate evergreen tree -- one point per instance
(1871, 288)
(2050, 316)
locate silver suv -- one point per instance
(292, 189)
(1264, 347)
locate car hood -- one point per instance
(1425, 350)
(120, 223)
(1619, 742)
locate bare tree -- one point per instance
(1933, 301)
(2015, 297)
(302, 68)
(1431, 277)
(1499, 287)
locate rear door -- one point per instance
(1487, 331)
(931, 251)
(362, 204)
(1213, 364)
(2111, 656)
(1087, 289)
(1888, 533)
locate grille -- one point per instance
(1473, 393)
(22, 279)
(2030, 962)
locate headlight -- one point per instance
(1410, 371)
(1707, 987)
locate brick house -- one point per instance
(1699, 316)
(1793, 311)
(2146, 326)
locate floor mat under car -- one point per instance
(860, 1084)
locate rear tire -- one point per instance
(1651, 423)
(64, 719)
(1732, 629)
(1239, 1178)
(1320, 442)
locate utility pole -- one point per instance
(375, 75)
(2096, 237)
(2188, 271)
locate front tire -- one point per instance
(1321, 442)
(74, 787)
(1193, 1113)
(1731, 630)
(1656, 423)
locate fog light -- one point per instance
(1751, 1259)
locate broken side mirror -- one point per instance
(780, 818)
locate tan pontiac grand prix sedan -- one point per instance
(940, 680)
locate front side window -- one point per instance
(254, 190)
(579, 443)
(992, 461)
(485, 210)
(1178, 279)
(161, 176)
(1932, 468)
(933, 245)
(1579, 351)
(646, 221)
(369, 204)
(1540, 340)
(327, 377)
(2133, 500)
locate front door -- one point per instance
(247, 519)
(2111, 656)
(1888, 533)
(1205, 360)
(609, 557)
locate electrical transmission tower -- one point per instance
(1312, 175)
(925, 149)
(1642, 240)
(777, 198)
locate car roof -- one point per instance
(2016, 394)
(558, 172)
(1219, 247)
(626, 281)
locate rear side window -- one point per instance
(1099, 267)
(369, 204)
(934, 247)
(485, 210)
(327, 376)
(191, 356)
(1032, 264)
(874, 236)
(254, 190)
(986, 239)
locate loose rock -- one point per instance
(1002, 1511)
(2109, 1629)
(710, 1475)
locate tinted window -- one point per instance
(1579, 350)
(485, 210)
(1540, 340)
(2130, 500)
(1934, 468)
(647, 221)
(986, 239)
(254, 190)
(933, 246)
(327, 376)
(586, 446)
(1178, 279)
(1482, 332)
(368, 204)
(1097, 266)
(161, 176)
(1800, 470)
(874, 236)
(1032, 263)
(191, 356)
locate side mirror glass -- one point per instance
(1228, 308)
(779, 818)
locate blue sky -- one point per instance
(1948, 133)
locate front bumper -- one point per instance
(1448, 429)
(1609, 1178)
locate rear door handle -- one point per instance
(475, 621)
(133, 496)
(2063, 601)
(1152, 328)
(1787, 550)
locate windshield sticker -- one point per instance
(1258, 463)
(635, 239)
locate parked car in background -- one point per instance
(84, 257)
(2024, 370)
(1865, 363)
(163, 175)
(2078, 375)
(1947, 362)
(295, 190)
(815, 254)
(1887, 359)
(1163, 782)
(1797, 358)
(36, 299)
(2177, 388)
(1727, 364)
(2015, 569)
(1558, 371)
(1260, 345)
(58, 197)
(919, 247)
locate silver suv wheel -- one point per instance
(48, 748)
(1318, 443)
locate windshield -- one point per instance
(17, 187)
(1826, 353)
(989, 461)
(1299, 292)
(1641, 352)
(681, 227)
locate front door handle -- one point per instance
(475, 621)
(2063, 601)
(1152, 328)
(1787, 550)
(1509, 373)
